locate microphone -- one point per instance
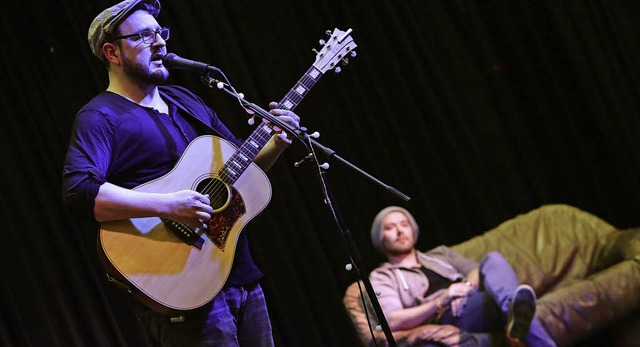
(171, 60)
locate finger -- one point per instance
(291, 120)
(290, 114)
(451, 340)
(454, 308)
(273, 105)
(203, 216)
(295, 117)
(195, 223)
(284, 113)
(426, 334)
(284, 137)
(205, 208)
(204, 199)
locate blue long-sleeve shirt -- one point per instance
(121, 142)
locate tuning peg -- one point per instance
(322, 42)
(328, 33)
(345, 61)
(353, 54)
(252, 120)
(337, 69)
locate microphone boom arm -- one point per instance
(299, 133)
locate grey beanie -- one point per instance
(376, 227)
(106, 22)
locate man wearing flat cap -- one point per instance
(134, 132)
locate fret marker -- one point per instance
(301, 90)
(236, 164)
(253, 143)
(243, 157)
(288, 104)
(314, 74)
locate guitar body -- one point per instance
(160, 269)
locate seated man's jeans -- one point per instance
(237, 316)
(487, 308)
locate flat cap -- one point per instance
(105, 23)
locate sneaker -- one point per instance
(521, 311)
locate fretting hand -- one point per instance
(287, 117)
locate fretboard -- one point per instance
(243, 157)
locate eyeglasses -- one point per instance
(148, 36)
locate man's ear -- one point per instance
(111, 52)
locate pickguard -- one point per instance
(220, 224)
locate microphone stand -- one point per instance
(312, 146)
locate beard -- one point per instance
(397, 248)
(142, 74)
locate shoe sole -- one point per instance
(521, 312)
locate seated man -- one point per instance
(441, 286)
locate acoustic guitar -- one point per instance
(173, 268)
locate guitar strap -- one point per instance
(166, 93)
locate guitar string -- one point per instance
(293, 95)
(217, 188)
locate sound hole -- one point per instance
(219, 193)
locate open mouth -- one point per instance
(157, 58)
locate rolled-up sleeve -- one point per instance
(87, 162)
(384, 283)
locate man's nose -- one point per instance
(159, 41)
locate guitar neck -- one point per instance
(244, 156)
(299, 91)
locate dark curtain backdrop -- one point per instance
(478, 110)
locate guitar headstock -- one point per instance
(336, 48)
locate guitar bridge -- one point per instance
(184, 233)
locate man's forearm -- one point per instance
(115, 203)
(270, 153)
(412, 317)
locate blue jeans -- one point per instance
(237, 316)
(486, 309)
